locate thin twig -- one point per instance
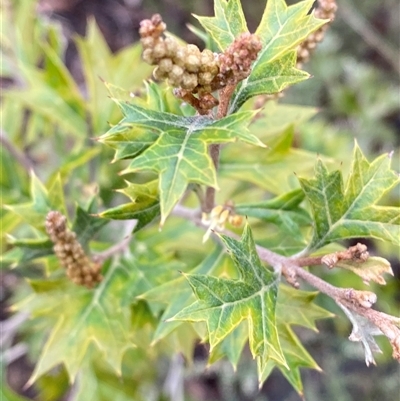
(120, 247)
(10, 326)
(357, 301)
(15, 352)
(16, 153)
(224, 99)
(223, 106)
(308, 261)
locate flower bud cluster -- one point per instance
(326, 9)
(192, 71)
(80, 269)
(185, 66)
(235, 62)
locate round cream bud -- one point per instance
(193, 49)
(180, 56)
(319, 36)
(165, 65)
(192, 63)
(311, 45)
(159, 50)
(68, 260)
(207, 57)
(171, 46)
(205, 78)
(148, 42)
(58, 247)
(86, 269)
(189, 81)
(148, 56)
(175, 73)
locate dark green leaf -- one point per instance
(145, 205)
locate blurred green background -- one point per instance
(355, 85)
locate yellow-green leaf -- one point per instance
(180, 154)
(228, 22)
(224, 303)
(347, 212)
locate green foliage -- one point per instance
(347, 213)
(165, 290)
(179, 154)
(224, 303)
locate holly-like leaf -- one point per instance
(101, 317)
(271, 169)
(180, 154)
(231, 346)
(182, 294)
(295, 307)
(25, 250)
(281, 29)
(351, 212)
(130, 142)
(372, 269)
(284, 211)
(276, 118)
(42, 201)
(145, 205)
(86, 224)
(268, 78)
(296, 356)
(91, 317)
(225, 303)
(228, 22)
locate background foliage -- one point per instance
(51, 111)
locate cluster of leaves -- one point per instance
(139, 312)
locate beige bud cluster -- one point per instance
(80, 269)
(326, 9)
(185, 66)
(235, 62)
(194, 72)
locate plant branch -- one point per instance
(224, 99)
(359, 302)
(120, 247)
(19, 156)
(225, 95)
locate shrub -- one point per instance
(218, 232)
